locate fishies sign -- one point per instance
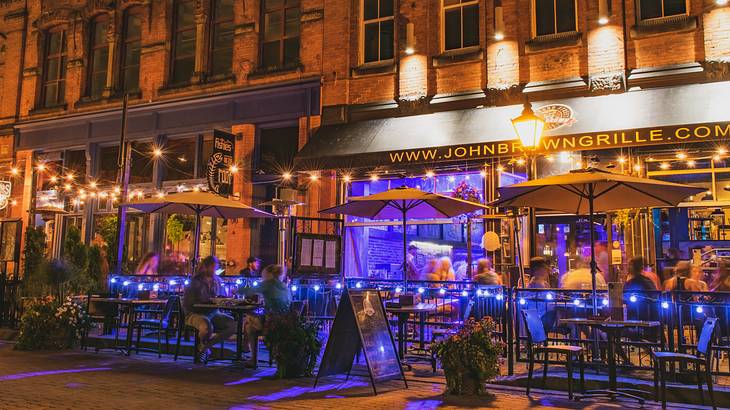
(5, 190)
(220, 179)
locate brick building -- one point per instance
(282, 73)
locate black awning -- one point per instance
(687, 113)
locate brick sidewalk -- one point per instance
(108, 380)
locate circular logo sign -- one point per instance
(556, 116)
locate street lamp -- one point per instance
(528, 127)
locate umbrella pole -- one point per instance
(196, 241)
(405, 253)
(593, 249)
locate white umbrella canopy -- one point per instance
(586, 191)
(571, 192)
(403, 203)
(199, 204)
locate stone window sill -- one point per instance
(473, 53)
(50, 109)
(550, 41)
(189, 85)
(264, 71)
(375, 67)
(86, 102)
(646, 28)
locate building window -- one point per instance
(183, 44)
(554, 16)
(179, 162)
(54, 71)
(651, 9)
(377, 30)
(460, 23)
(221, 59)
(280, 45)
(98, 56)
(131, 46)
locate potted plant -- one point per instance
(49, 323)
(470, 357)
(294, 344)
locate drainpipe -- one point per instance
(626, 45)
(24, 35)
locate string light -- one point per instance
(286, 176)
(681, 155)
(160, 194)
(157, 152)
(234, 169)
(92, 184)
(716, 158)
(14, 202)
(664, 165)
(520, 161)
(314, 177)
(70, 176)
(374, 177)
(117, 190)
(483, 173)
(430, 174)
(722, 151)
(637, 167)
(347, 178)
(14, 171)
(67, 187)
(452, 178)
(500, 168)
(41, 167)
(54, 179)
(621, 159)
(691, 163)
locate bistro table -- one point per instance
(239, 312)
(403, 313)
(613, 330)
(130, 306)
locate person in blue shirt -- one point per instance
(277, 300)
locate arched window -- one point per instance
(183, 41)
(221, 37)
(130, 52)
(53, 85)
(98, 56)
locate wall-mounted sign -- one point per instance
(556, 116)
(572, 142)
(5, 190)
(318, 253)
(220, 178)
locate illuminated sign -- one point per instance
(575, 142)
(5, 189)
(556, 116)
(220, 178)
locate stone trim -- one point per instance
(310, 16)
(645, 28)
(550, 41)
(606, 83)
(466, 54)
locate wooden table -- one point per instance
(239, 311)
(613, 330)
(403, 313)
(130, 305)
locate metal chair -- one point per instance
(166, 321)
(439, 333)
(703, 357)
(537, 343)
(104, 313)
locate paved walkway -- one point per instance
(108, 380)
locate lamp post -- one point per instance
(529, 127)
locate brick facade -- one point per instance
(598, 59)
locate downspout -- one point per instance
(22, 64)
(626, 45)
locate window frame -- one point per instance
(174, 35)
(461, 6)
(283, 37)
(214, 24)
(61, 55)
(363, 22)
(93, 49)
(533, 14)
(663, 16)
(124, 45)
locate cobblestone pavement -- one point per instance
(109, 380)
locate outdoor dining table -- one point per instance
(613, 329)
(403, 313)
(239, 311)
(130, 306)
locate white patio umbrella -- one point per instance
(198, 204)
(403, 203)
(586, 191)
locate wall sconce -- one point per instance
(410, 39)
(498, 21)
(604, 11)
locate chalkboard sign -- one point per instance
(360, 323)
(220, 178)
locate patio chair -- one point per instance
(161, 321)
(537, 343)
(703, 357)
(105, 313)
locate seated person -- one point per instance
(213, 326)
(277, 300)
(485, 274)
(580, 277)
(540, 271)
(149, 264)
(637, 281)
(253, 266)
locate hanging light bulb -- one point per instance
(430, 174)
(286, 176)
(234, 169)
(691, 163)
(374, 177)
(347, 178)
(681, 155)
(92, 184)
(314, 177)
(41, 167)
(156, 152)
(664, 165)
(14, 171)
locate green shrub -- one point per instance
(294, 344)
(48, 324)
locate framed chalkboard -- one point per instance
(360, 323)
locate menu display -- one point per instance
(318, 253)
(360, 323)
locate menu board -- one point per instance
(318, 253)
(360, 323)
(220, 178)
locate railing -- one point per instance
(680, 313)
